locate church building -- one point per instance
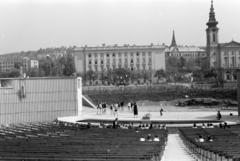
(223, 57)
(187, 52)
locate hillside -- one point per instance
(54, 53)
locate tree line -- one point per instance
(48, 67)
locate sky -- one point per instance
(27, 25)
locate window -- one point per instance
(125, 54)
(95, 54)
(119, 54)
(107, 55)
(95, 61)
(149, 53)
(137, 53)
(143, 54)
(113, 54)
(138, 60)
(90, 62)
(89, 55)
(226, 61)
(214, 38)
(101, 61)
(233, 61)
(101, 54)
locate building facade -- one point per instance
(223, 57)
(187, 52)
(134, 58)
(9, 65)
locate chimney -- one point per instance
(151, 44)
(103, 45)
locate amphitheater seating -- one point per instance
(48, 141)
(225, 145)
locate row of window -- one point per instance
(226, 53)
(232, 62)
(114, 67)
(10, 66)
(120, 61)
(186, 54)
(23, 62)
(5, 70)
(120, 54)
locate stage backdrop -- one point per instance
(39, 99)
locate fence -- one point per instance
(131, 89)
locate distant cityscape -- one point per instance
(152, 63)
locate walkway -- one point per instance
(175, 150)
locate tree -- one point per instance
(90, 75)
(210, 73)
(160, 73)
(14, 73)
(69, 66)
(198, 62)
(173, 62)
(190, 64)
(182, 61)
(145, 75)
(34, 72)
(18, 65)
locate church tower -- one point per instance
(212, 39)
(173, 44)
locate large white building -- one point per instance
(134, 58)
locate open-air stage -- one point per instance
(170, 119)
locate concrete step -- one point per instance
(175, 150)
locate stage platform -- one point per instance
(170, 119)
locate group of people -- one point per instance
(101, 108)
(115, 108)
(149, 138)
(201, 139)
(140, 126)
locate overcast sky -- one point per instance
(33, 24)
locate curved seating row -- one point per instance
(50, 141)
(224, 147)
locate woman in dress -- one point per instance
(135, 110)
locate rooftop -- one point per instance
(116, 47)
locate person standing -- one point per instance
(116, 109)
(122, 104)
(161, 112)
(135, 110)
(219, 116)
(115, 123)
(129, 107)
(111, 109)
